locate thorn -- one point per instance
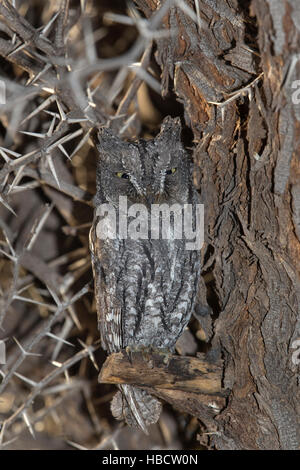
(56, 363)
(7, 205)
(75, 120)
(82, 5)
(11, 152)
(27, 286)
(122, 19)
(94, 78)
(115, 445)
(127, 123)
(52, 168)
(91, 93)
(77, 446)
(34, 134)
(222, 114)
(89, 41)
(48, 90)
(17, 178)
(51, 113)
(67, 376)
(53, 294)
(198, 15)
(7, 443)
(62, 387)
(82, 142)
(32, 301)
(2, 430)
(91, 104)
(45, 103)
(25, 379)
(38, 225)
(143, 26)
(51, 335)
(17, 49)
(68, 324)
(50, 130)
(39, 75)
(144, 75)
(63, 150)
(235, 94)
(13, 258)
(25, 353)
(187, 10)
(60, 110)
(25, 187)
(133, 12)
(66, 138)
(8, 242)
(27, 422)
(6, 158)
(74, 318)
(23, 157)
(90, 353)
(49, 24)
(117, 84)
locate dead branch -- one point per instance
(191, 384)
(190, 374)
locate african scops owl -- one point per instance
(145, 287)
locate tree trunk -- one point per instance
(234, 67)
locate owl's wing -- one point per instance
(180, 285)
(136, 406)
(107, 305)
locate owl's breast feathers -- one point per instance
(145, 290)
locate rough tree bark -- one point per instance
(234, 70)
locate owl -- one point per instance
(145, 287)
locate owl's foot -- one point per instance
(165, 354)
(133, 351)
(146, 352)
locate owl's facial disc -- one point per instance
(147, 171)
(165, 165)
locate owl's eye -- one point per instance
(171, 171)
(120, 174)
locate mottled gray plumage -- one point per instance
(145, 289)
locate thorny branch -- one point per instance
(58, 88)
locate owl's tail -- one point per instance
(137, 407)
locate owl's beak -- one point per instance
(150, 198)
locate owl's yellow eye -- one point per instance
(121, 174)
(171, 171)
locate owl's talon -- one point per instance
(146, 353)
(128, 351)
(143, 351)
(167, 358)
(165, 354)
(132, 351)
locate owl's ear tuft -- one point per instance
(106, 140)
(170, 130)
(104, 132)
